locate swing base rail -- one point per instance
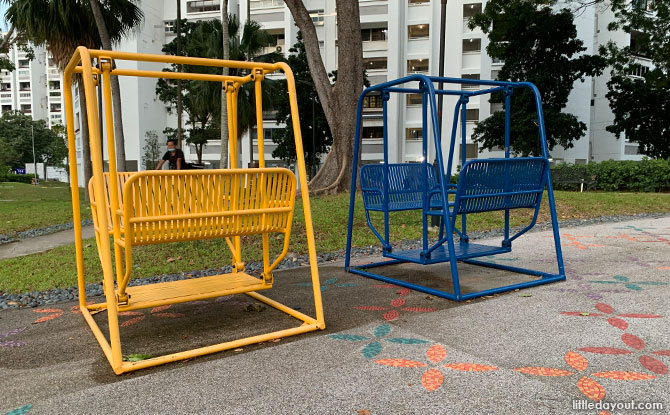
(464, 253)
(308, 324)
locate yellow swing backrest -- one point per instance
(173, 206)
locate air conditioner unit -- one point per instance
(279, 48)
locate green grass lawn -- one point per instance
(56, 268)
(24, 206)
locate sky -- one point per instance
(3, 9)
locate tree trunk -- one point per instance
(339, 101)
(224, 103)
(85, 142)
(44, 169)
(116, 90)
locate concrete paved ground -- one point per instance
(42, 243)
(602, 334)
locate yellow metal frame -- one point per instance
(261, 201)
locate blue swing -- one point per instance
(484, 185)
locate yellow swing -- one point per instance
(155, 207)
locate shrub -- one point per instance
(638, 176)
(6, 175)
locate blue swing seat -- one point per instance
(405, 187)
(498, 184)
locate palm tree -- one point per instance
(62, 26)
(247, 47)
(129, 17)
(204, 39)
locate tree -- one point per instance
(339, 99)
(131, 18)
(62, 26)
(201, 99)
(538, 44)
(151, 151)
(307, 98)
(640, 104)
(17, 132)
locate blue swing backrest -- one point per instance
(405, 186)
(497, 184)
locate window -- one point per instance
(638, 70)
(414, 99)
(317, 17)
(472, 115)
(24, 86)
(639, 44)
(470, 10)
(170, 26)
(417, 31)
(372, 132)
(417, 65)
(470, 87)
(54, 108)
(412, 2)
(375, 63)
(24, 63)
(372, 101)
(54, 93)
(262, 4)
(5, 87)
(277, 40)
(203, 6)
(414, 134)
(646, 5)
(54, 84)
(26, 108)
(55, 117)
(471, 150)
(472, 45)
(373, 35)
(6, 108)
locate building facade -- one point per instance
(34, 88)
(400, 37)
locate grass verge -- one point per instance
(24, 206)
(56, 268)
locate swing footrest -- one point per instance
(441, 254)
(173, 292)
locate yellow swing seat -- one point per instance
(156, 207)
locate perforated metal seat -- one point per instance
(406, 187)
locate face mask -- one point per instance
(172, 149)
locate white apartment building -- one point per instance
(34, 88)
(399, 37)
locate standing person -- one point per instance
(174, 156)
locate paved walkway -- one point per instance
(602, 334)
(41, 243)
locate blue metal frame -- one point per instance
(505, 199)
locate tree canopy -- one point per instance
(16, 140)
(307, 97)
(538, 44)
(640, 85)
(201, 99)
